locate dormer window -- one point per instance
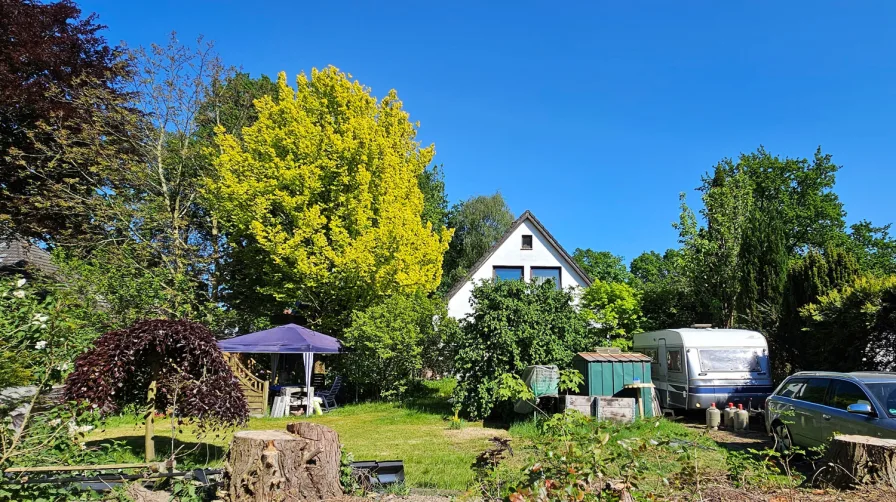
(527, 242)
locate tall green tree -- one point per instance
(737, 198)
(666, 298)
(613, 310)
(322, 191)
(435, 202)
(763, 269)
(478, 223)
(873, 247)
(712, 251)
(602, 266)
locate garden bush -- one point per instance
(392, 342)
(514, 324)
(182, 357)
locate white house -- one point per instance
(526, 252)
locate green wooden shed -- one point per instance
(614, 373)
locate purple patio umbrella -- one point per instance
(286, 339)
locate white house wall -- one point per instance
(511, 254)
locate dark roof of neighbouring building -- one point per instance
(527, 215)
(18, 253)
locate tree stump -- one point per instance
(857, 460)
(279, 466)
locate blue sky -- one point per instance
(594, 115)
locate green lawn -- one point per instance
(435, 456)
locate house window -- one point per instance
(527, 242)
(541, 274)
(509, 273)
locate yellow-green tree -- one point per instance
(321, 199)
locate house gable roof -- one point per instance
(526, 216)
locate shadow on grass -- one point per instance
(428, 397)
(189, 454)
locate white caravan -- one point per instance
(694, 367)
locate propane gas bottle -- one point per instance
(713, 417)
(728, 416)
(741, 418)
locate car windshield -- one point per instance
(885, 394)
(730, 360)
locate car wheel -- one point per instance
(783, 439)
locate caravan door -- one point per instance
(662, 377)
(676, 376)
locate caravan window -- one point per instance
(673, 360)
(729, 360)
(651, 353)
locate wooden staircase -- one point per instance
(255, 389)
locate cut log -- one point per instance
(860, 460)
(279, 466)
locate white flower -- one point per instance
(18, 293)
(41, 318)
(40, 345)
(55, 422)
(63, 366)
(20, 283)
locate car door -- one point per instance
(806, 424)
(836, 420)
(781, 405)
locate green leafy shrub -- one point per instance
(387, 342)
(514, 324)
(43, 331)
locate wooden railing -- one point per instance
(255, 389)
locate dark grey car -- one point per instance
(809, 407)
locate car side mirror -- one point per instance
(860, 409)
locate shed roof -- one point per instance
(613, 357)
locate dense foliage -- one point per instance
(50, 56)
(514, 324)
(602, 266)
(389, 344)
(182, 357)
(613, 310)
(854, 328)
(323, 192)
(44, 327)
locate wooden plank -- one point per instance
(580, 403)
(101, 467)
(618, 409)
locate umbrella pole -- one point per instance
(309, 362)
